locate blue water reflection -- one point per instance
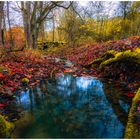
(71, 107)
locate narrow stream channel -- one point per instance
(71, 107)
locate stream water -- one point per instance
(71, 107)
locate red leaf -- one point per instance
(138, 101)
(68, 70)
(129, 94)
(2, 76)
(2, 105)
(138, 108)
(12, 89)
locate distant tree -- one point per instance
(1, 20)
(124, 8)
(133, 16)
(9, 24)
(70, 23)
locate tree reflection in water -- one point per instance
(73, 107)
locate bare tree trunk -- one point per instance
(42, 31)
(53, 20)
(34, 38)
(34, 32)
(30, 26)
(5, 28)
(26, 21)
(10, 31)
(1, 17)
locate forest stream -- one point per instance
(70, 107)
(70, 69)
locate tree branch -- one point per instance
(77, 13)
(55, 3)
(45, 12)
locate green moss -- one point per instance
(5, 127)
(133, 56)
(132, 129)
(24, 80)
(97, 61)
(105, 56)
(110, 53)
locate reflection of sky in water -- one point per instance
(84, 99)
(24, 99)
(30, 99)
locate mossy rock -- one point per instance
(5, 127)
(105, 56)
(133, 56)
(132, 128)
(42, 44)
(110, 57)
(24, 80)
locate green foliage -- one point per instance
(69, 26)
(5, 127)
(76, 31)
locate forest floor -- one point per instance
(28, 67)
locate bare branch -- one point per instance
(58, 5)
(77, 13)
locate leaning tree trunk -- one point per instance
(1, 16)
